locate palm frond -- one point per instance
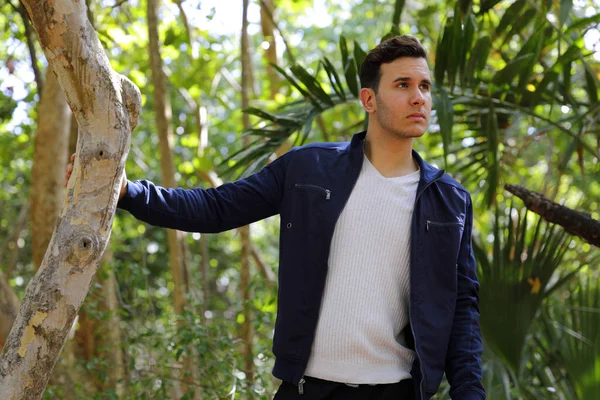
(520, 264)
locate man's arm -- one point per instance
(229, 206)
(211, 210)
(463, 359)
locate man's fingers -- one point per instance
(73, 157)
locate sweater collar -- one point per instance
(428, 172)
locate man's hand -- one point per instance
(123, 179)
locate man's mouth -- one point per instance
(418, 116)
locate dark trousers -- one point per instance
(318, 389)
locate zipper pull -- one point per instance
(328, 194)
(428, 225)
(301, 386)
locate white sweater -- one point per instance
(365, 304)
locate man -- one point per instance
(377, 279)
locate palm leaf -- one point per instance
(577, 336)
(514, 278)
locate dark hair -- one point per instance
(386, 52)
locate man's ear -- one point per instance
(367, 99)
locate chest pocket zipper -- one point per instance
(442, 224)
(327, 192)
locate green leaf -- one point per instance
(344, 50)
(352, 77)
(445, 115)
(441, 55)
(466, 43)
(562, 63)
(492, 134)
(294, 83)
(397, 12)
(577, 24)
(591, 84)
(565, 9)
(514, 67)
(521, 22)
(334, 78)
(359, 54)
(533, 46)
(510, 15)
(483, 52)
(312, 85)
(455, 44)
(487, 5)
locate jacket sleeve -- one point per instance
(463, 359)
(229, 206)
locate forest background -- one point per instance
(174, 315)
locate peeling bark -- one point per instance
(106, 106)
(574, 222)
(48, 171)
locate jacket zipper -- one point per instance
(327, 191)
(301, 386)
(433, 223)
(409, 313)
(301, 382)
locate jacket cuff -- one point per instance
(133, 189)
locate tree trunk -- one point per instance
(106, 106)
(9, 304)
(574, 222)
(162, 109)
(246, 329)
(267, 9)
(46, 195)
(49, 160)
(99, 336)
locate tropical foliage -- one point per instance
(516, 101)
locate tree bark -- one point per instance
(268, 28)
(106, 106)
(49, 160)
(100, 337)
(9, 304)
(574, 222)
(246, 329)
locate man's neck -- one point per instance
(392, 157)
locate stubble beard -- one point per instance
(387, 123)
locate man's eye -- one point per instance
(425, 87)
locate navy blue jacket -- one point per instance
(309, 187)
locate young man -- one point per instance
(377, 279)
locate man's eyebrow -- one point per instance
(407, 79)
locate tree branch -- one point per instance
(574, 222)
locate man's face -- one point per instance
(403, 101)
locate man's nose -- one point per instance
(418, 98)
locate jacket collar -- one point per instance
(429, 173)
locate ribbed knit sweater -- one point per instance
(365, 304)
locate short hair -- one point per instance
(386, 52)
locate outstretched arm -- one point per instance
(229, 206)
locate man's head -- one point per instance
(396, 88)
(386, 52)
